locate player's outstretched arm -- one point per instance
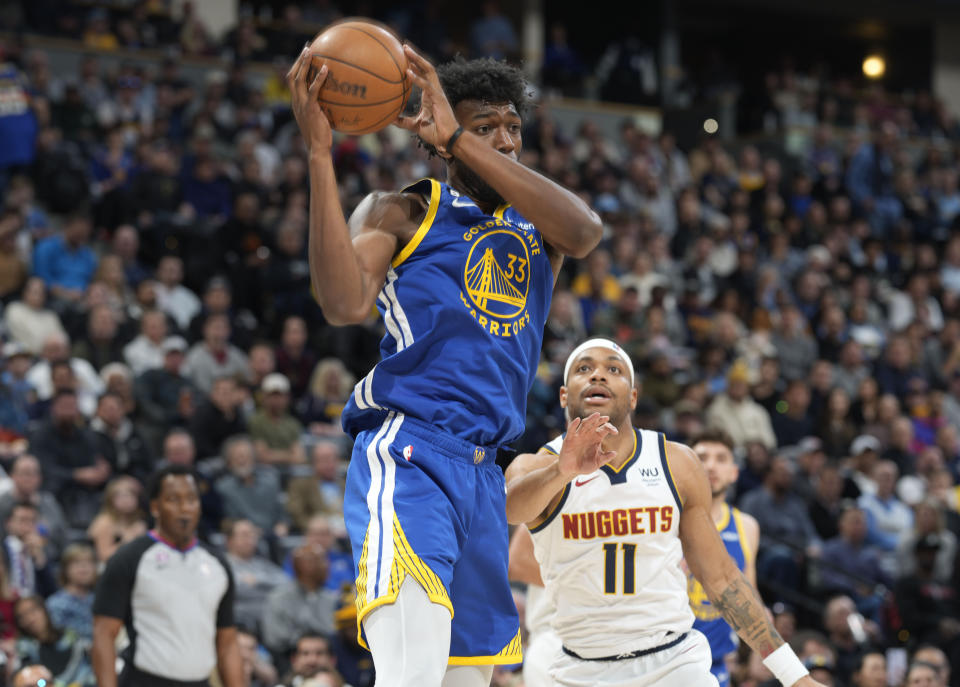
(728, 589)
(348, 264)
(523, 566)
(535, 482)
(566, 222)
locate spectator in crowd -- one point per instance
(331, 385)
(173, 297)
(929, 520)
(796, 348)
(146, 351)
(74, 469)
(254, 575)
(218, 300)
(848, 565)
(738, 414)
(792, 423)
(492, 35)
(179, 449)
(786, 527)
(165, 397)
(100, 344)
(871, 670)
(66, 262)
(321, 492)
(28, 321)
(120, 519)
(88, 385)
(934, 656)
(62, 651)
(26, 487)
(920, 674)
(849, 633)
(24, 548)
(294, 359)
(71, 606)
(311, 655)
(319, 534)
(250, 491)
(258, 667)
(300, 605)
(930, 609)
(864, 453)
(827, 503)
(275, 432)
(214, 356)
(218, 417)
(118, 439)
(889, 520)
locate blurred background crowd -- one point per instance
(799, 290)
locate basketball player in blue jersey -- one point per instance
(740, 534)
(462, 271)
(612, 510)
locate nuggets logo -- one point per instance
(496, 276)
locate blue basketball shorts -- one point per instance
(424, 504)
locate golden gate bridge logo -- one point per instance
(497, 274)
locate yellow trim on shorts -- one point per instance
(405, 562)
(510, 654)
(424, 225)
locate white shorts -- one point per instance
(538, 657)
(687, 664)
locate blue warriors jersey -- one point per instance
(464, 304)
(721, 636)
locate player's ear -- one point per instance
(634, 395)
(563, 397)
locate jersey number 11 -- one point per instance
(610, 568)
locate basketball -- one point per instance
(367, 85)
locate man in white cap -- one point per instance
(612, 510)
(275, 432)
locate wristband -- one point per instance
(453, 139)
(785, 665)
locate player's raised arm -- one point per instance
(535, 481)
(726, 586)
(346, 271)
(565, 221)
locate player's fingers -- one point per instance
(318, 81)
(296, 67)
(607, 456)
(421, 62)
(607, 428)
(420, 81)
(573, 425)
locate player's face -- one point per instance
(177, 509)
(599, 382)
(499, 125)
(719, 464)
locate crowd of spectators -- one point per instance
(156, 309)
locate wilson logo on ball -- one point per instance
(356, 90)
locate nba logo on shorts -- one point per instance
(408, 451)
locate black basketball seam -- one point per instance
(382, 45)
(357, 67)
(379, 102)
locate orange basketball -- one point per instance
(367, 85)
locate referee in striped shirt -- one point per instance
(173, 594)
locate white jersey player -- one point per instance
(612, 511)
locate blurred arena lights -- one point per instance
(710, 125)
(874, 66)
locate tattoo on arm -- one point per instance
(741, 606)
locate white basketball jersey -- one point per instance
(610, 555)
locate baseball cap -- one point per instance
(275, 383)
(809, 445)
(818, 662)
(864, 442)
(11, 349)
(174, 343)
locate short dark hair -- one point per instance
(158, 477)
(869, 651)
(311, 635)
(19, 505)
(714, 436)
(484, 79)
